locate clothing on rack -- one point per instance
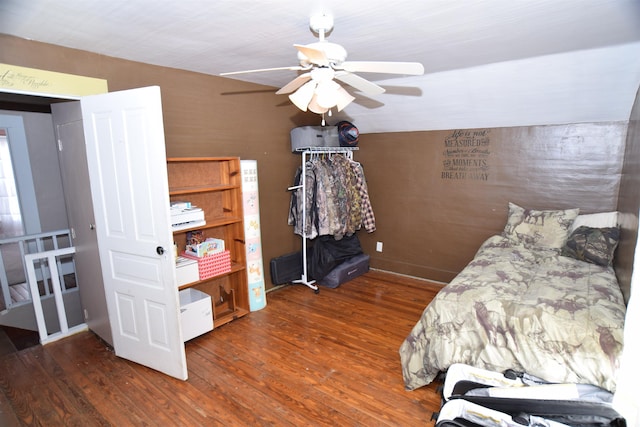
(335, 197)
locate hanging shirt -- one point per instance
(368, 218)
(335, 199)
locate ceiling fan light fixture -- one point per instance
(323, 74)
(327, 94)
(322, 62)
(325, 99)
(315, 107)
(344, 98)
(303, 95)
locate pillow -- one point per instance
(593, 245)
(596, 220)
(546, 229)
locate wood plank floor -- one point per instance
(327, 359)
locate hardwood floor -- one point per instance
(327, 359)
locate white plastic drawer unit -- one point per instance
(186, 271)
(196, 316)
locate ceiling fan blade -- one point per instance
(410, 68)
(363, 85)
(294, 84)
(293, 68)
(315, 56)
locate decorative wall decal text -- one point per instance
(10, 79)
(32, 81)
(466, 155)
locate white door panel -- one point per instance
(127, 166)
(72, 154)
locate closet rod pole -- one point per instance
(304, 219)
(304, 279)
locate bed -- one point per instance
(541, 298)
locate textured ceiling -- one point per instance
(488, 63)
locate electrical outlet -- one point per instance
(379, 247)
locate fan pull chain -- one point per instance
(323, 123)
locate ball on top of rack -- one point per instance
(348, 134)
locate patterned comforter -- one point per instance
(535, 311)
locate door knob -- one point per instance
(92, 226)
(160, 250)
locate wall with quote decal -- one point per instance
(438, 195)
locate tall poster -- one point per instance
(250, 200)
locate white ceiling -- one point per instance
(493, 63)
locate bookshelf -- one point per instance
(214, 185)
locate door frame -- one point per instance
(63, 98)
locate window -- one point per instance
(10, 216)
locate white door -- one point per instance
(72, 154)
(128, 176)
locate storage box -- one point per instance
(314, 136)
(208, 247)
(196, 316)
(186, 270)
(212, 265)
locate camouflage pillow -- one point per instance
(594, 245)
(547, 229)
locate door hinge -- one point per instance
(59, 145)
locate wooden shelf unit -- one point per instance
(215, 185)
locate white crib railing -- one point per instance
(41, 265)
(52, 261)
(16, 248)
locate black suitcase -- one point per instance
(522, 399)
(349, 269)
(461, 413)
(286, 268)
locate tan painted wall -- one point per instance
(430, 217)
(438, 195)
(203, 116)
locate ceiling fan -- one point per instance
(323, 62)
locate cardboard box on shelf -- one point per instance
(186, 270)
(209, 247)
